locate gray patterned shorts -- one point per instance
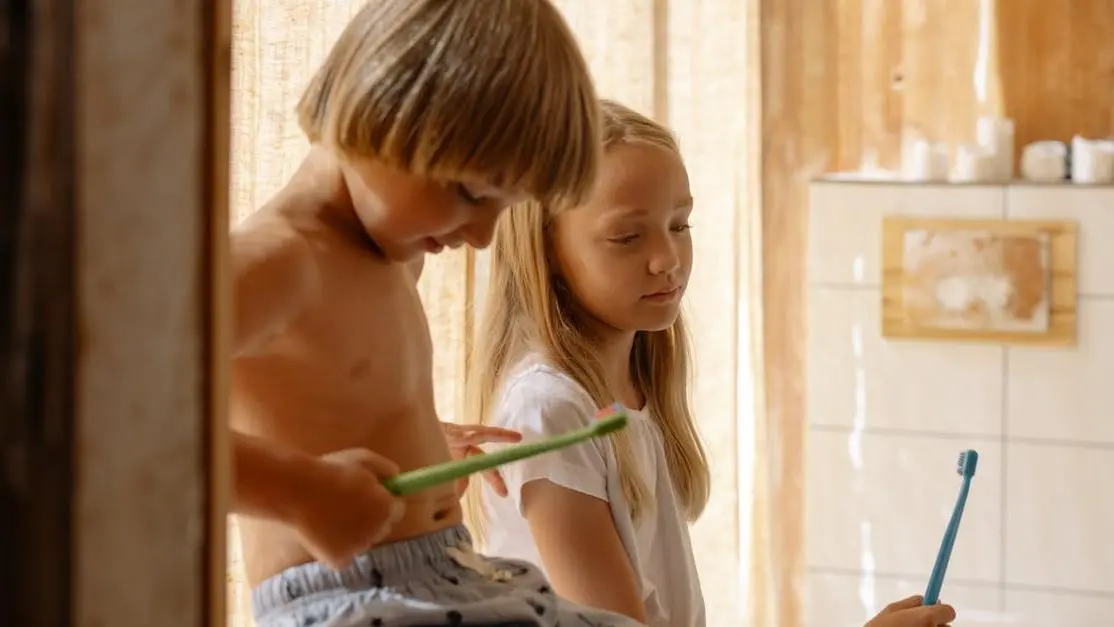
(432, 580)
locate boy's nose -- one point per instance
(480, 233)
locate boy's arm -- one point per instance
(273, 279)
(265, 477)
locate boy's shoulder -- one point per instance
(267, 228)
(316, 235)
(264, 237)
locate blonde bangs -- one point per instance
(493, 90)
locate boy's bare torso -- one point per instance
(353, 369)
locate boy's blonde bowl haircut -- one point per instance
(495, 90)
(527, 310)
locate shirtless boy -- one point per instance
(427, 119)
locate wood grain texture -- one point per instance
(1057, 62)
(217, 294)
(799, 135)
(149, 175)
(37, 338)
(928, 68)
(939, 52)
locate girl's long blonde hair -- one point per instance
(528, 310)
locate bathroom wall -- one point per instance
(928, 68)
(886, 420)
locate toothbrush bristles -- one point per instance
(967, 462)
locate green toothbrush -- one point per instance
(430, 476)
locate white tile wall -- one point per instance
(1061, 510)
(851, 599)
(880, 502)
(857, 379)
(1058, 394)
(1056, 609)
(888, 418)
(1092, 208)
(846, 226)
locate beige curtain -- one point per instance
(686, 63)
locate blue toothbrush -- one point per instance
(968, 460)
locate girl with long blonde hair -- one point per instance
(584, 310)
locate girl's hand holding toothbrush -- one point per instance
(911, 613)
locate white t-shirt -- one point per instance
(540, 401)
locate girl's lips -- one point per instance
(664, 297)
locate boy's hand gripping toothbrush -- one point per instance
(610, 419)
(968, 460)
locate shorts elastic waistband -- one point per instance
(382, 566)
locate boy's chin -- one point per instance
(402, 253)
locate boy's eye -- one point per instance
(465, 195)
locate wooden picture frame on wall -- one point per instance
(998, 281)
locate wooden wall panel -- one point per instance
(1057, 64)
(929, 68)
(113, 166)
(37, 338)
(151, 213)
(940, 42)
(217, 295)
(883, 83)
(799, 139)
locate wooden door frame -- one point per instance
(113, 339)
(37, 276)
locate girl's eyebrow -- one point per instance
(620, 213)
(624, 212)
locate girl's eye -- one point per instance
(626, 239)
(681, 228)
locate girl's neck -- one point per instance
(614, 351)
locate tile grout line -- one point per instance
(1003, 546)
(1004, 523)
(858, 572)
(850, 286)
(1003, 586)
(1003, 605)
(908, 433)
(972, 437)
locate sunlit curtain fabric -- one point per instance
(685, 63)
